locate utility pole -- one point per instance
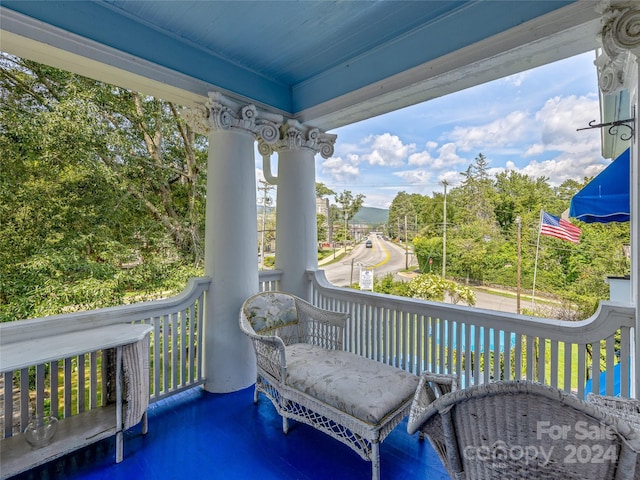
(444, 231)
(519, 224)
(266, 187)
(406, 245)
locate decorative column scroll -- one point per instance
(294, 135)
(620, 37)
(222, 113)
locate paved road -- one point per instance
(492, 301)
(384, 257)
(387, 257)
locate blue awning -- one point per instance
(605, 198)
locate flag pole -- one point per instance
(535, 268)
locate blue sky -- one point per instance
(526, 122)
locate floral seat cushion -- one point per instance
(269, 311)
(365, 389)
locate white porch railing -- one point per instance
(411, 334)
(70, 386)
(483, 345)
(269, 280)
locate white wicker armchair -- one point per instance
(627, 409)
(519, 429)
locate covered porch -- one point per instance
(198, 357)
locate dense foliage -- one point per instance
(482, 236)
(101, 193)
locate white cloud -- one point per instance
(387, 150)
(447, 156)
(340, 170)
(418, 176)
(563, 167)
(517, 79)
(560, 117)
(499, 133)
(420, 158)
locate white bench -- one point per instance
(303, 369)
(131, 344)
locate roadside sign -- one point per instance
(366, 279)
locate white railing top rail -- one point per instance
(59, 324)
(269, 275)
(609, 317)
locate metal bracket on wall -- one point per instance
(630, 123)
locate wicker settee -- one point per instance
(519, 429)
(303, 369)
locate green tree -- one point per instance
(348, 207)
(102, 189)
(402, 213)
(322, 190)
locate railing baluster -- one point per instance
(486, 335)
(24, 398)
(582, 369)
(53, 388)
(568, 367)
(397, 333)
(183, 348)
(458, 348)
(8, 404)
(542, 353)
(625, 341)
(39, 390)
(442, 344)
(476, 357)
(507, 375)
(610, 353)
(200, 335)
(81, 383)
(497, 354)
(166, 341)
(175, 333)
(595, 367)
(93, 380)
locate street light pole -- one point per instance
(519, 224)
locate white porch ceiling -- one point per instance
(326, 63)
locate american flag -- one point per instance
(559, 228)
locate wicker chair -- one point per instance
(520, 429)
(627, 409)
(431, 387)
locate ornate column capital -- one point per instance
(222, 113)
(620, 26)
(294, 135)
(620, 37)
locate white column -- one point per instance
(296, 227)
(635, 238)
(231, 238)
(620, 37)
(296, 230)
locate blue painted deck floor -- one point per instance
(198, 435)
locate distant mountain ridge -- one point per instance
(371, 216)
(367, 215)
